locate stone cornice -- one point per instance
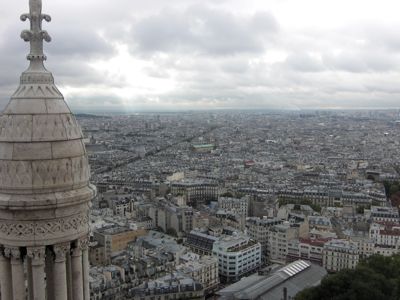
(40, 201)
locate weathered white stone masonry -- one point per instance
(45, 192)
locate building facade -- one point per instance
(171, 218)
(200, 242)
(339, 255)
(196, 192)
(203, 270)
(385, 214)
(258, 230)
(113, 239)
(306, 249)
(237, 206)
(237, 256)
(279, 237)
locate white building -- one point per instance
(237, 256)
(385, 234)
(366, 246)
(234, 205)
(307, 249)
(340, 254)
(319, 222)
(384, 214)
(202, 269)
(385, 250)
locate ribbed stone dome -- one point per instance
(41, 144)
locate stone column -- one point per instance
(37, 255)
(30, 278)
(49, 265)
(85, 265)
(60, 271)
(77, 275)
(17, 272)
(5, 277)
(69, 276)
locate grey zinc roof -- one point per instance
(295, 277)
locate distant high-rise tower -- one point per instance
(44, 186)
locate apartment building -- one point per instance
(279, 237)
(339, 255)
(171, 218)
(196, 192)
(237, 256)
(237, 206)
(203, 270)
(258, 230)
(306, 249)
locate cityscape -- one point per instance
(229, 191)
(228, 200)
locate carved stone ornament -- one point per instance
(12, 252)
(43, 229)
(60, 251)
(36, 254)
(83, 243)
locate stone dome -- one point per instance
(41, 144)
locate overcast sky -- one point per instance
(124, 55)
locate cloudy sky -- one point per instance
(135, 55)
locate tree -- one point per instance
(391, 187)
(298, 202)
(227, 194)
(171, 231)
(377, 277)
(394, 188)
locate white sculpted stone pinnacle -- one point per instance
(36, 35)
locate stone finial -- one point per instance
(36, 35)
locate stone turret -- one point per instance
(45, 192)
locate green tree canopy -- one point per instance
(375, 278)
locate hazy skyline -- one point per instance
(127, 55)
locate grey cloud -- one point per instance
(346, 62)
(204, 30)
(77, 41)
(237, 66)
(68, 56)
(304, 62)
(207, 50)
(378, 35)
(76, 74)
(156, 72)
(105, 102)
(362, 61)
